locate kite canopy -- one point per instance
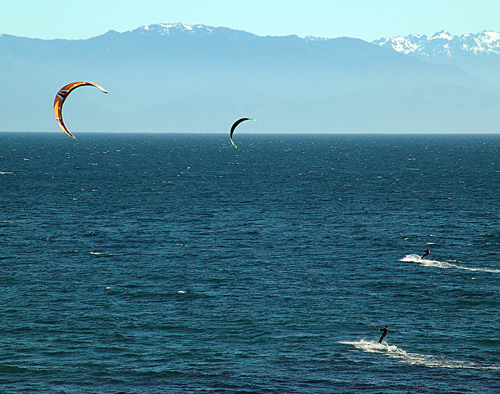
(233, 127)
(61, 96)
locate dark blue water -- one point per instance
(178, 264)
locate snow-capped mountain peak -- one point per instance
(444, 44)
(170, 29)
(180, 29)
(442, 35)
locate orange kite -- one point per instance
(62, 94)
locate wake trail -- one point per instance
(414, 258)
(425, 360)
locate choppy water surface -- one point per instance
(173, 263)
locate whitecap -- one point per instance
(101, 254)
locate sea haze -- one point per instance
(175, 263)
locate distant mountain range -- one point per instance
(181, 78)
(478, 53)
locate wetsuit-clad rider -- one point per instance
(384, 333)
(428, 251)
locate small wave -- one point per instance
(64, 251)
(6, 173)
(425, 360)
(18, 369)
(7, 368)
(101, 254)
(413, 258)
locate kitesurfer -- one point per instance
(427, 252)
(384, 333)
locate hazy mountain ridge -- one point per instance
(176, 77)
(444, 44)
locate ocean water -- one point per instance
(143, 263)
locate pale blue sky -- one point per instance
(365, 19)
